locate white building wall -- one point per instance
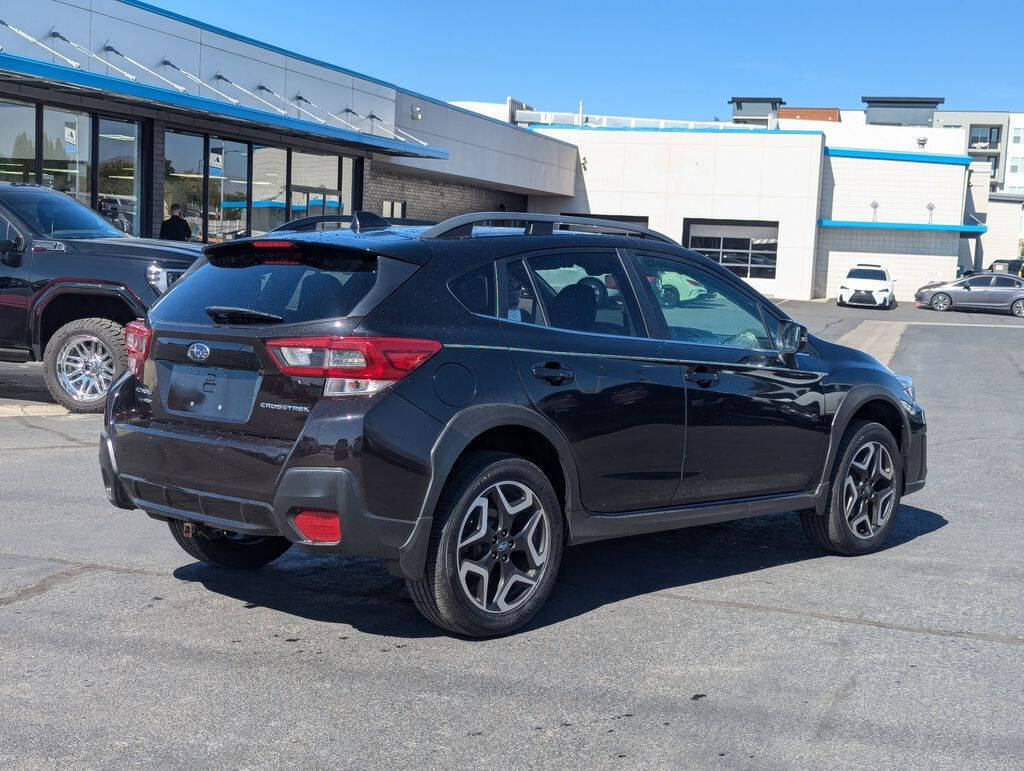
(913, 257)
(1002, 241)
(669, 176)
(1013, 182)
(902, 190)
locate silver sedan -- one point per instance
(982, 291)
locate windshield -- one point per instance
(874, 275)
(53, 214)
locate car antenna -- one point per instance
(365, 220)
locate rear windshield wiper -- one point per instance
(224, 314)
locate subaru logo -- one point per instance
(199, 352)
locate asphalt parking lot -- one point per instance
(734, 645)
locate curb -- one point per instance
(31, 410)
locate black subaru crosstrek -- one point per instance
(467, 400)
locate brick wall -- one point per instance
(431, 199)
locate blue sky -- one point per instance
(660, 59)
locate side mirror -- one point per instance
(792, 337)
(10, 251)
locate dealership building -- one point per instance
(131, 108)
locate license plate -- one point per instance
(211, 392)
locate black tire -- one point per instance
(439, 595)
(832, 531)
(107, 333)
(944, 304)
(670, 297)
(1017, 308)
(228, 550)
(839, 303)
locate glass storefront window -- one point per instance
(229, 177)
(67, 146)
(183, 179)
(17, 142)
(315, 189)
(119, 180)
(269, 175)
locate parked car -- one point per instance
(675, 289)
(1013, 267)
(69, 282)
(444, 400)
(868, 285)
(982, 291)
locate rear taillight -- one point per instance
(352, 365)
(136, 340)
(318, 526)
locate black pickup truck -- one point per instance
(69, 282)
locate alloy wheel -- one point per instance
(941, 302)
(1018, 309)
(85, 367)
(503, 543)
(869, 490)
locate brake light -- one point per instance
(351, 365)
(273, 244)
(137, 337)
(319, 526)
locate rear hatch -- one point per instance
(209, 363)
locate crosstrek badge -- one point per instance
(284, 407)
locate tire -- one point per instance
(449, 594)
(670, 297)
(842, 529)
(941, 302)
(839, 303)
(228, 550)
(1017, 308)
(99, 344)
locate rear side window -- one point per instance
(312, 290)
(1004, 281)
(475, 290)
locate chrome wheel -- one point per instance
(503, 543)
(85, 368)
(941, 302)
(869, 491)
(1017, 309)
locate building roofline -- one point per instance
(308, 59)
(770, 99)
(922, 100)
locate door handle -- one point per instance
(554, 373)
(702, 376)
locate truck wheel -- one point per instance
(81, 360)
(867, 480)
(494, 550)
(228, 550)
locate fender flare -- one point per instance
(458, 433)
(93, 288)
(856, 398)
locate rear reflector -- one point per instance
(351, 365)
(318, 526)
(137, 337)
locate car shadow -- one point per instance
(359, 592)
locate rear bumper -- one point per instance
(331, 489)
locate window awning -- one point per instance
(23, 70)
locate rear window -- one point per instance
(874, 275)
(326, 288)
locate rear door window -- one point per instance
(581, 292)
(1005, 282)
(325, 288)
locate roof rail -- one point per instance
(534, 224)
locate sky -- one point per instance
(655, 59)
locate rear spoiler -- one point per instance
(310, 247)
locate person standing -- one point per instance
(175, 227)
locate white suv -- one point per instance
(868, 285)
